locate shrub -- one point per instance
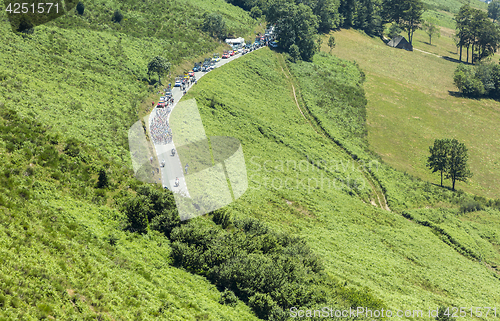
(470, 206)
(294, 52)
(214, 24)
(228, 298)
(80, 8)
(117, 16)
(102, 181)
(72, 148)
(262, 304)
(222, 217)
(442, 316)
(137, 210)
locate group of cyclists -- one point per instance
(161, 132)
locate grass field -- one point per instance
(412, 101)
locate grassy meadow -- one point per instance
(412, 101)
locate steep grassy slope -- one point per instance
(406, 264)
(86, 76)
(64, 252)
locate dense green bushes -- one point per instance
(479, 80)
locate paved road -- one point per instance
(173, 167)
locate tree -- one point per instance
(214, 24)
(463, 22)
(331, 43)
(327, 12)
(294, 52)
(295, 24)
(438, 161)
(494, 9)
(430, 28)
(80, 8)
(158, 65)
(117, 16)
(394, 30)
(467, 82)
(406, 13)
(319, 42)
(457, 168)
(256, 12)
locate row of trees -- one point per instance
(476, 33)
(449, 157)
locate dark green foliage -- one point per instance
(227, 297)
(214, 24)
(262, 304)
(102, 180)
(117, 16)
(137, 210)
(394, 30)
(72, 149)
(294, 52)
(438, 160)
(494, 9)
(80, 8)
(256, 12)
(296, 24)
(470, 205)
(269, 270)
(406, 13)
(222, 217)
(449, 156)
(331, 43)
(364, 15)
(477, 32)
(160, 66)
(468, 83)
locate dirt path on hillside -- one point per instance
(379, 200)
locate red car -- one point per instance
(191, 73)
(231, 53)
(225, 55)
(161, 104)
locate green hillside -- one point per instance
(337, 212)
(406, 264)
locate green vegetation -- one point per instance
(86, 76)
(477, 81)
(477, 32)
(449, 156)
(337, 220)
(65, 253)
(412, 100)
(158, 65)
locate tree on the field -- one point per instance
(494, 10)
(457, 169)
(158, 65)
(327, 12)
(214, 24)
(464, 25)
(331, 43)
(117, 16)
(467, 83)
(80, 8)
(438, 160)
(431, 29)
(406, 13)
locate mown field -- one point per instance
(405, 264)
(412, 101)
